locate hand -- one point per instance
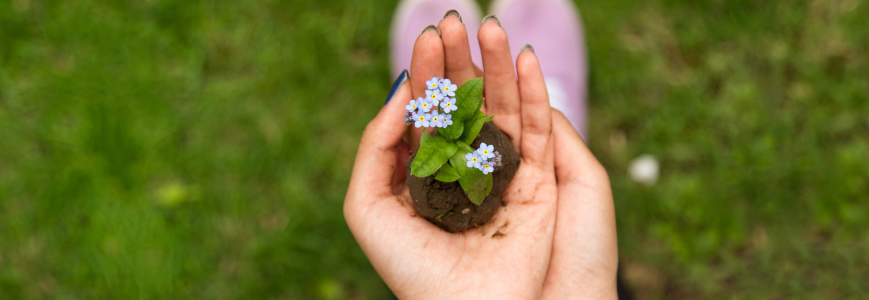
(414, 257)
(584, 251)
(584, 256)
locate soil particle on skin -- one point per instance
(498, 234)
(446, 205)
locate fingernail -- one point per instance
(492, 17)
(453, 12)
(527, 47)
(398, 81)
(431, 27)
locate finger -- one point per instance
(479, 73)
(499, 80)
(427, 62)
(535, 110)
(376, 159)
(458, 66)
(570, 147)
(584, 250)
(399, 178)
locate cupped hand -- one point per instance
(584, 250)
(415, 258)
(584, 257)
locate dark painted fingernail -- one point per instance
(431, 27)
(453, 12)
(492, 17)
(527, 47)
(398, 81)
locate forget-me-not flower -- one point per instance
(448, 88)
(449, 104)
(433, 96)
(448, 119)
(424, 105)
(487, 167)
(486, 151)
(433, 84)
(437, 120)
(414, 104)
(473, 160)
(421, 120)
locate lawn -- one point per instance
(195, 149)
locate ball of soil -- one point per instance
(445, 203)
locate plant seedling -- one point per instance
(447, 154)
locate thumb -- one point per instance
(376, 157)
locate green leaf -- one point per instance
(447, 174)
(469, 100)
(453, 131)
(443, 215)
(433, 152)
(464, 147)
(473, 127)
(475, 184)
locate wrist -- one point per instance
(580, 289)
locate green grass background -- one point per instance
(202, 149)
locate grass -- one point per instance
(192, 149)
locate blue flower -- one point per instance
(486, 151)
(437, 120)
(433, 96)
(433, 84)
(487, 167)
(421, 120)
(448, 119)
(448, 88)
(413, 104)
(473, 160)
(449, 104)
(424, 105)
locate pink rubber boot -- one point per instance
(412, 16)
(554, 29)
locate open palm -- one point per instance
(508, 257)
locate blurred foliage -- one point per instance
(758, 114)
(201, 149)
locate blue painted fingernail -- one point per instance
(398, 81)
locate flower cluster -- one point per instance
(480, 158)
(426, 111)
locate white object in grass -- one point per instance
(644, 169)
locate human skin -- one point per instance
(545, 201)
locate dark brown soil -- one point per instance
(432, 198)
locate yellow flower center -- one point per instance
(485, 151)
(447, 89)
(435, 119)
(475, 159)
(421, 118)
(486, 166)
(425, 105)
(449, 104)
(433, 96)
(413, 106)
